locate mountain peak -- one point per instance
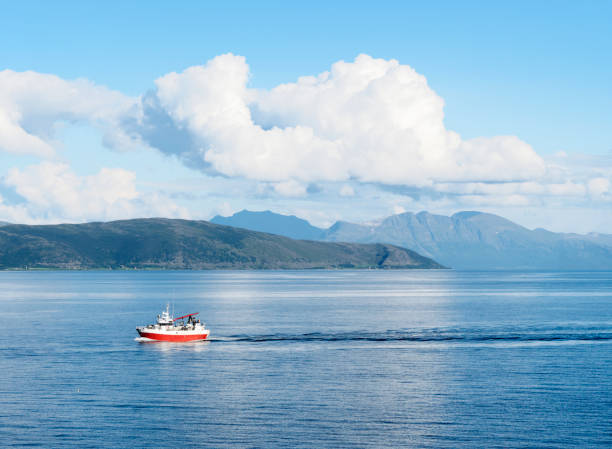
(467, 239)
(272, 223)
(467, 214)
(484, 220)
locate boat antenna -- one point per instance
(173, 294)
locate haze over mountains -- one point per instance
(465, 240)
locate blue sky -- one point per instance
(539, 71)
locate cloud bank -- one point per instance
(33, 105)
(370, 120)
(366, 125)
(51, 192)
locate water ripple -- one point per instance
(542, 335)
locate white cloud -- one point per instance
(599, 186)
(32, 105)
(50, 185)
(371, 120)
(290, 188)
(544, 188)
(225, 210)
(14, 213)
(52, 193)
(365, 123)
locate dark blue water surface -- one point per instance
(431, 359)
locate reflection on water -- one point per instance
(308, 359)
(166, 346)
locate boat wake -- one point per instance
(143, 340)
(432, 335)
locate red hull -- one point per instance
(178, 338)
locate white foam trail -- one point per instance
(142, 339)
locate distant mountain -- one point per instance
(185, 244)
(266, 221)
(600, 239)
(477, 240)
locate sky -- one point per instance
(327, 110)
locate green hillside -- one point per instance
(184, 244)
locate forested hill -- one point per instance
(184, 244)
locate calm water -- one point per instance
(352, 359)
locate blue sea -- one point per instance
(308, 359)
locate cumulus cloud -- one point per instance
(368, 123)
(599, 186)
(152, 126)
(52, 192)
(33, 104)
(371, 120)
(290, 188)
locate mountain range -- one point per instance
(185, 244)
(465, 240)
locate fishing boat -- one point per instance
(168, 328)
